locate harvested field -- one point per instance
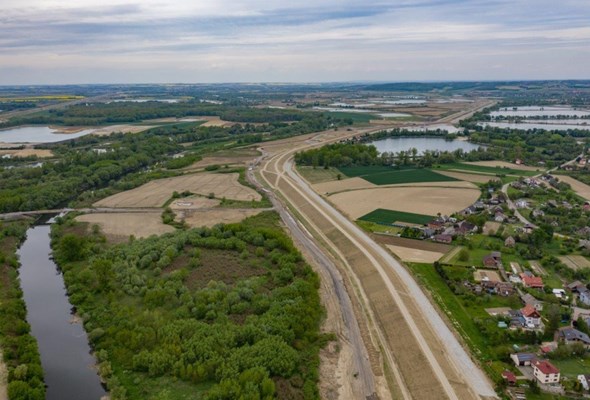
(209, 218)
(477, 178)
(486, 275)
(483, 169)
(318, 175)
(119, 226)
(575, 262)
(156, 193)
(343, 185)
(415, 255)
(228, 157)
(194, 202)
(412, 243)
(215, 121)
(41, 153)
(503, 164)
(417, 200)
(107, 130)
(359, 183)
(491, 227)
(580, 188)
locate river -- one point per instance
(65, 353)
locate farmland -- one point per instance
(120, 226)
(156, 193)
(388, 217)
(485, 169)
(388, 176)
(410, 199)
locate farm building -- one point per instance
(569, 335)
(523, 359)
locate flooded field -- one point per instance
(535, 125)
(539, 111)
(38, 134)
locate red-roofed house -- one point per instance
(531, 316)
(535, 282)
(510, 377)
(545, 372)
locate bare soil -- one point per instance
(119, 226)
(478, 178)
(122, 129)
(575, 262)
(210, 217)
(491, 227)
(359, 183)
(27, 152)
(419, 200)
(412, 243)
(193, 202)
(492, 276)
(415, 255)
(156, 193)
(580, 188)
(504, 164)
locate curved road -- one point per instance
(426, 359)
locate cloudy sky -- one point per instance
(133, 41)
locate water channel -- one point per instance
(65, 354)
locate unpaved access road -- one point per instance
(424, 358)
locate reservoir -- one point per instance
(63, 344)
(396, 144)
(38, 134)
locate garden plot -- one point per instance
(575, 262)
(415, 255)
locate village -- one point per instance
(519, 257)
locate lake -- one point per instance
(536, 125)
(539, 111)
(396, 144)
(38, 134)
(68, 366)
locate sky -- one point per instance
(192, 41)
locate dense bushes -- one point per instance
(21, 355)
(234, 307)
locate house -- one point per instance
(545, 372)
(584, 296)
(442, 238)
(570, 336)
(510, 377)
(523, 359)
(559, 293)
(499, 217)
(516, 319)
(538, 213)
(535, 282)
(576, 286)
(509, 242)
(465, 227)
(528, 228)
(585, 381)
(528, 299)
(531, 316)
(521, 203)
(504, 289)
(585, 231)
(436, 225)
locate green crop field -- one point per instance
(388, 217)
(486, 170)
(381, 175)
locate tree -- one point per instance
(464, 255)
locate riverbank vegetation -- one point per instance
(21, 354)
(227, 312)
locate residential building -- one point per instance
(531, 316)
(569, 335)
(442, 238)
(585, 296)
(535, 282)
(576, 286)
(545, 372)
(509, 242)
(523, 359)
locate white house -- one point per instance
(531, 316)
(545, 372)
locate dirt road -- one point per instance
(424, 359)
